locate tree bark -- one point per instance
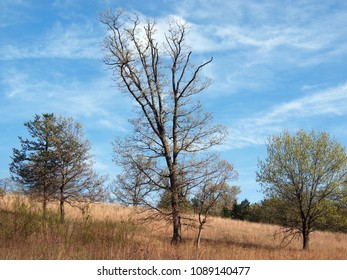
(44, 208)
(199, 236)
(305, 235)
(305, 240)
(176, 219)
(162, 84)
(176, 238)
(62, 209)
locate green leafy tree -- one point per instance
(165, 202)
(77, 183)
(270, 211)
(34, 165)
(241, 211)
(55, 163)
(226, 201)
(303, 171)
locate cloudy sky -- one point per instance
(277, 65)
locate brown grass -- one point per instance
(111, 232)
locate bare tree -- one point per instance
(171, 127)
(213, 188)
(131, 187)
(4, 183)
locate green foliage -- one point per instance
(335, 218)
(270, 211)
(226, 212)
(34, 165)
(303, 172)
(216, 200)
(275, 211)
(55, 164)
(312, 164)
(241, 211)
(165, 202)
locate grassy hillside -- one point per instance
(112, 232)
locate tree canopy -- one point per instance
(304, 172)
(55, 163)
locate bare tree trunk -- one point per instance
(202, 221)
(176, 238)
(305, 239)
(305, 233)
(44, 202)
(62, 209)
(169, 125)
(44, 208)
(306, 242)
(176, 219)
(199, 236)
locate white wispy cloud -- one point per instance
(92, 99)
(301, 34)
(11, 12)
(254, 43)
(332, 101)
(74, 41)
(290, 115)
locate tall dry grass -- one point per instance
(109, 231)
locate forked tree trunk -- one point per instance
(202, 221)
(170, 124)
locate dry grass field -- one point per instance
(112, 232)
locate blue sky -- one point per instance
(277, 65)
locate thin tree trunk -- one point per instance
(44, 202)
(62, 209)
(44, 208)
(202, 221)
(199, 237)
